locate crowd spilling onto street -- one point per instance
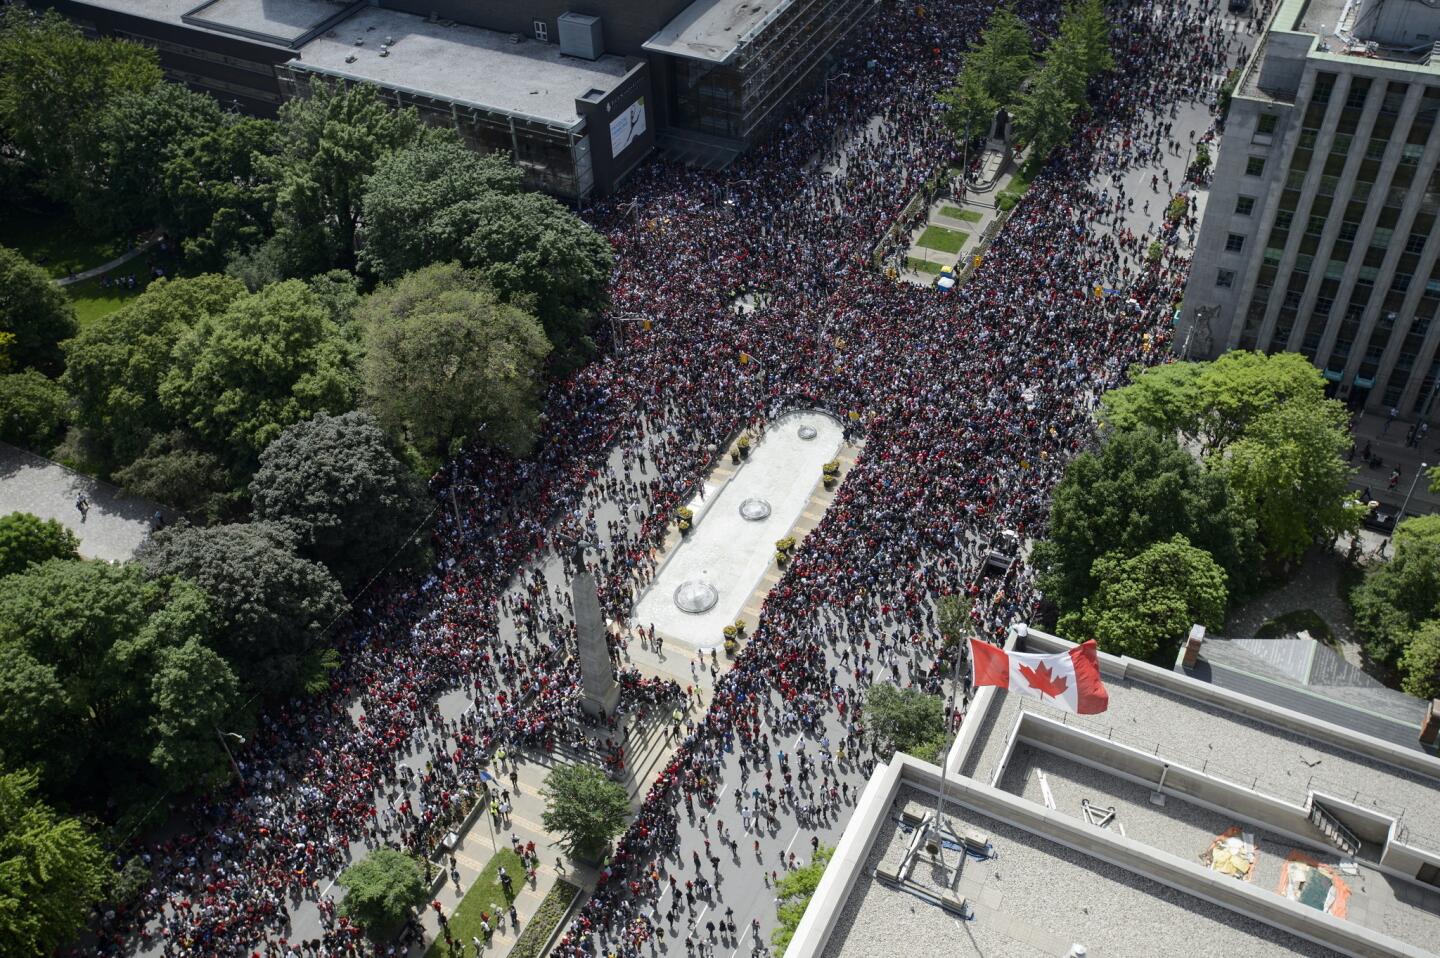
(969, 404)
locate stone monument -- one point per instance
(597, 678)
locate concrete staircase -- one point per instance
(1330, 826)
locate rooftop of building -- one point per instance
(1306, 676)
(1186, 812)
(1035, 897)
(467, 65)
(286, 23)
(1235, 737)
(713, 30)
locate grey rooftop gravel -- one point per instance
(1036, 899)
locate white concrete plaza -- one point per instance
(732, 553)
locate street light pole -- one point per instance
(1406, 504)
(239, 776)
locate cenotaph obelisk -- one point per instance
(599, 692)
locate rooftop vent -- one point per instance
(581, 36)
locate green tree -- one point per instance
(173, 470)
(1144, 605)
(35, 311)
(952, 618)
(1046, 108)
(334, 483)
(906, 720)
(273, 358)
(792, 896)
(992, 75)
(272, 607)
(331, 140)
(1397, 597)
(193, 691)
(585, 808)
(139, 134)
(1420, 662)
(420, 204)
(26, 539)
(32, 409)
(114, 369)
(445, 359)
(52, 870)
(541, 257)
(1141, 488)
(81, 646)
(381, 889)
(1289, 471)
(216, 193)
(1212, 403)
(55, 87)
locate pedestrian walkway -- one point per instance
(114, 523)
(479, 843)
(115, 263)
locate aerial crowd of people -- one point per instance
(965, 407)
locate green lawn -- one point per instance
(54, 242)
(923, 265)
(93, 299)
(485, 891)
(956, 213)
(943, 239)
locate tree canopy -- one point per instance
(906, 720)
(1143, 605)
(1397, 597)
(381, 889)
(1140, 488)
(26, 539)
(352, 505)
(139, 134)
(271, 359)
(419, 203)
(272, 608)
(95, 664)
(445, 359)
(216, 192)
(330, 141)
(793, 892)
(585, 808)
(32, 409)
(52, 870)
(34, 311)
(56, 86)
(993, 73)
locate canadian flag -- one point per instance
(1070, 680)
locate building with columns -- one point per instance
(1319, 232)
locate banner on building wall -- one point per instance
(627, 127)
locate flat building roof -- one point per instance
(712, 30)
(468, 65)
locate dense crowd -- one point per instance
(968, 405)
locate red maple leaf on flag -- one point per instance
(1041, 680)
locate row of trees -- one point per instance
(1000, 72)
(1210, 475)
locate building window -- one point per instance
(1255, 166)
(1348, 231)
(1225, 278)
(542, 31)
(1266, 124)
(1244, 205)
(1415, 243)
(1359, 91)
(1234, 243)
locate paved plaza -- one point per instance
(115, 523)
(728, 552)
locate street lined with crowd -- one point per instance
(969, 403)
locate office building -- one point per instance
(1186, 819)
(1319, 231)
(578, 93)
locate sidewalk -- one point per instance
(115, 263)
(1389, 446)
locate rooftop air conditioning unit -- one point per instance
(581, 36)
